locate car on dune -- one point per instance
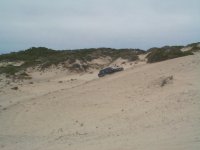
(109, 70)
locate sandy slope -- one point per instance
(124, 111)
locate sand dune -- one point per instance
(146, 107)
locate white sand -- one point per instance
(128, 110)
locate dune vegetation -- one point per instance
(43, 58)
(165, 53)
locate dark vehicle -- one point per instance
(109, 70)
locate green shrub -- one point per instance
(9, 70)
(85, 67)
(76, 66)
(161, 54)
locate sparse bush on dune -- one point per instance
(165, 53)
(23, 76)
(76, 66)
(85, 67)
(15, 88)
(31, 54)
(79, 67)
(44, 57)
(9, 70)
(194, 47)
(166, 80)
(71, 60)
(129, 55)
(197, 44)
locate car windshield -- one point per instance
(106, 70)
(102, 71)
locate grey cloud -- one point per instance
(69, 24)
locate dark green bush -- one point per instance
(161, 54)
(76, 66)
(9, 70)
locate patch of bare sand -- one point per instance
(127, 110)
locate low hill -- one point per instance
(82, 60)
(44, 57)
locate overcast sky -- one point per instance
(71, 24)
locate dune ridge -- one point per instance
(127, 110)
